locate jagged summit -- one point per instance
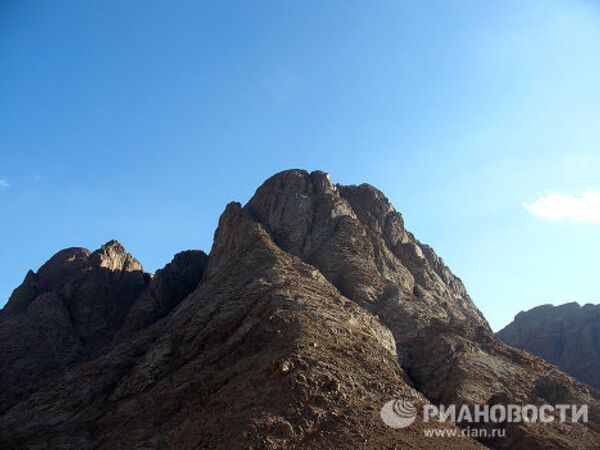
(356, 238)
(113, 256)
(76, 303)
(314, 307)
(65, 267)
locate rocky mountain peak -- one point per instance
(356, 238)
(70, 308)
(114, 257)
(314, 307)
(70, 267)
(299, 209)
(57, 271)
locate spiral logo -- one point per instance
(398, 413)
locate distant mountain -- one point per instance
(314, 308)
(567, 336)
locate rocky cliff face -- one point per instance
(566, 335)
(68, 309)
(314, 307)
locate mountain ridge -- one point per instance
(314, 307)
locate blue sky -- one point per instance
(140, 120)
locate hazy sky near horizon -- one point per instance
(140, 120)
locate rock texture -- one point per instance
(168, 288)
(69, 309)
(567, 336)
(314, 307)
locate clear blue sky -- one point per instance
(140, 120)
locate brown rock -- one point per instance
(304, 262)
(567, 336)
(69, 309)
(168, 288)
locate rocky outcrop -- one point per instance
(70, 308)
(567, 336)
(314, 307)
(168, 288)
(356, 239)
(75, 306)
(265, 353)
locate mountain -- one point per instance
(567, 336)
(314, 308)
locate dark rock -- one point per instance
(168, 288)
(69, 309)
(567, 336)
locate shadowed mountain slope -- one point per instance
(567, 335)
